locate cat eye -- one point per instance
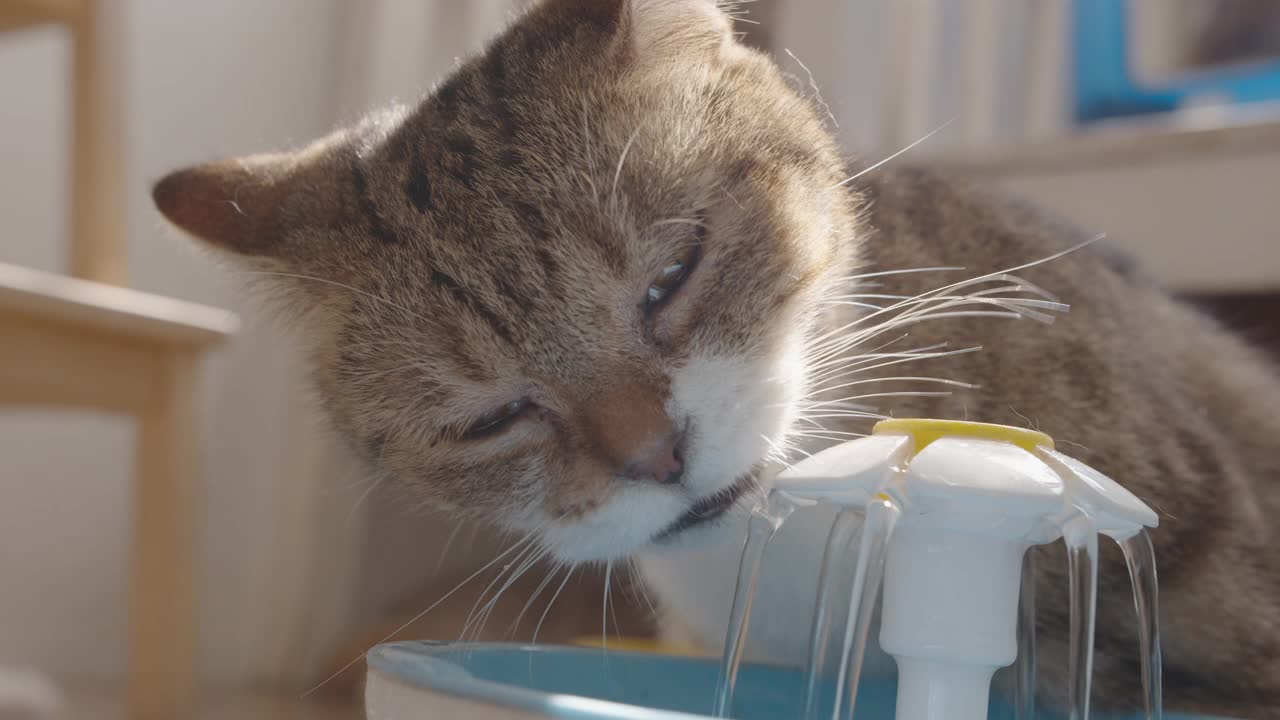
(497, 420)
(672, 276)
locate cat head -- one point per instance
(570, 292)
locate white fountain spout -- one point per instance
(973, 498)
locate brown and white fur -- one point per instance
(476, 280)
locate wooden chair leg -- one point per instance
(98, 184)
(164, 617)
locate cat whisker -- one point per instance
(538, 628)
(777, 453)
(851, 407)
(844, 363)
(725, 190)
(833, 416)
(617, 173)
(838, 433)
(817, 93)
(529, 537)
(551, 575)
(1072, 443)
(363, 496)
(589, 184)
(857, 362)
(809, 406)
(642, 589)
(812, 418)
(902, 393)
(870, 296)
(834, 353)
(853, 303)
(907, 271)
(812, 355)
(881, 363)
(938, 294)
(913, 319)
(866, 381)
(1032, 423)
(324, 281)
(678, 221)
(894, 156)
(497, 579)
(448, 543)
(914, 310)
(529, 565)
(604, 610)
(532, 556)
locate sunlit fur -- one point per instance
(496, 243)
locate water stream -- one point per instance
(878, 523)
(1082, 557)
(877, 529)
(1025, 666)
(765, 521)
(833, 582)
(1140, 556)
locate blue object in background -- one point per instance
(1105, 86)
(545, 680)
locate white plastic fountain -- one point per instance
(952, 508)
(949, 512)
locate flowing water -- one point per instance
(765, 521)
(1025, 666)
(881, 519)
(834, 580)
(1140, 556)
(1082, 557)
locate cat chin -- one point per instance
(721, 531)
(618, 529)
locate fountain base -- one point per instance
(495, 681)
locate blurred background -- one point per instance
(256, 558)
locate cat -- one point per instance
(596, 285)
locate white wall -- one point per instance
(205, 79)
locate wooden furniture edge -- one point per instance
(132, 314)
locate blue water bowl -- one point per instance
(492, 681)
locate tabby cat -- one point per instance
(615, 269)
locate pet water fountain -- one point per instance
(947, 512)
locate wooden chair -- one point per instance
(84, 342)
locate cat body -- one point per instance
(1129, 382)
(612, 270)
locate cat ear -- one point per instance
(661, 28)
(657, 29)
(230, 204)
(245, 205)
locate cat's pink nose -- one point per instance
(662, 461)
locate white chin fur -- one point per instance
(627, 522)
(736, 407)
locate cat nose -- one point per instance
(661, 462)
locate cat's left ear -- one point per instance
(246, 206)
(676, 28)
(657, 29)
